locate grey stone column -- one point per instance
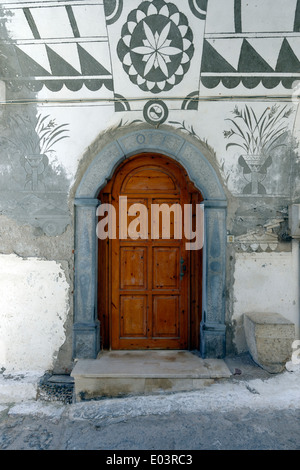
(212, 328)
(86, 331)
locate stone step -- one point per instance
(121, 373)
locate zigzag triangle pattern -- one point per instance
(59, 66)
(212, 61)
(287, 60)
(253, 67)
(251, 61)
(29, 71)
(89, 65)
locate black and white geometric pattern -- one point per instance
(251, 61)
(59, 45)
(159, 46)
(156, 46)
(251, 44)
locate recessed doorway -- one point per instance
(150, 289)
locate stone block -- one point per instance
(269, 339)
(294, 220)
(123, 373)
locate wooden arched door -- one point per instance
(149, 286)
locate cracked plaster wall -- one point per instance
(34, 307)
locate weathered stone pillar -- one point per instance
(212, 328)
(86, 333)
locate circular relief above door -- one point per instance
(156, 46)
(155, 112)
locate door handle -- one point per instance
(182, 268)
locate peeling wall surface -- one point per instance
(78, 76)
(34, 299)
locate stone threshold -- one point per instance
(121, 373)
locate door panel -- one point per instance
(133, 267)
(149, 179)
(169, 226)
(165, 267)
(133, 315)
(166, 321)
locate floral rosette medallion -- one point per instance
(156, 46)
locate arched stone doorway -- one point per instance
(86, 333)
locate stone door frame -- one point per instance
(86, 329)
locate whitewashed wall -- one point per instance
(34, 307)
(266, 282)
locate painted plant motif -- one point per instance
(258, 137)
(33, 185)
(156, 46)
(33, 141)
